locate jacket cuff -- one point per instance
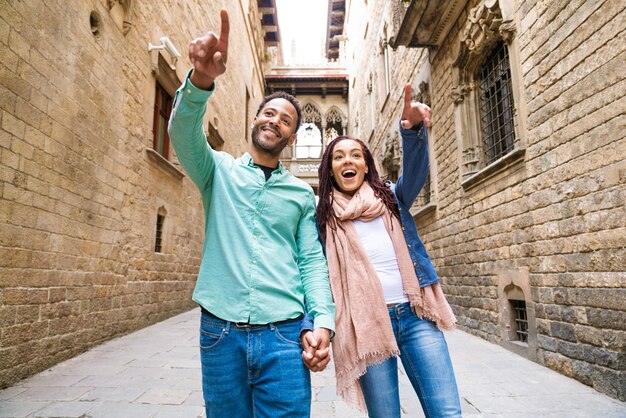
(411, 131)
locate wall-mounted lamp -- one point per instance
(168, 46)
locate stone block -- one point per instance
(588, 335)
(610, 382)
(604, 318)
(614, 340)
(15, 296)
(27, 314)
(563, 331)
(558, 362)
(573, 351)
(606, 358)
(583, 372)
(547, 343)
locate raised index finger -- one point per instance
(225, 26)
(407, 96)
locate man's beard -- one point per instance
(273, 149)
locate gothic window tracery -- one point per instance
(487, 122)
(335, 124)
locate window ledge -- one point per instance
(422, 210)
(492, 169)
(163, 164)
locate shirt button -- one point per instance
(257, 212)
(409, 245)
(415, 263)
(188, 91)
(253, 261)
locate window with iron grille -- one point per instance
(496, 103)
(162, 110)
(521, 320)
(158, 245)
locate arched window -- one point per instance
(309, 144)
(334, 124)
(309, 139)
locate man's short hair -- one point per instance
(289, 98)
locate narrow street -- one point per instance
(155, 372)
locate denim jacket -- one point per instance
(414, 173)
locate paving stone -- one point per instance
(124, 410)
(11, 392)
(186, 411)
(112, 394)
(74, 409)
(19, 409)
(50, 393)
(164, 396)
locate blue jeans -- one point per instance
(254, 371)
(425, 357)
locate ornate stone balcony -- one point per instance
(424, 23)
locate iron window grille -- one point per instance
(158, 245)
(496, 102)
(521, 320)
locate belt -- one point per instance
(249, 325)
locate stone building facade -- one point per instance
(524, 214)
(100, 230)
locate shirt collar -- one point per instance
(246, 159)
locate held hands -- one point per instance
(316, 345)
(208, 55)
(414, 112)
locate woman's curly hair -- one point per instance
(325, 213)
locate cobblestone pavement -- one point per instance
(155, 372)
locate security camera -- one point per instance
(171, 49)
(167, 45)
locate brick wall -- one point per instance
(78, 194)
(557, 215)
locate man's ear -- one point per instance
(292, 138)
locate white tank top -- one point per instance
(379, 248)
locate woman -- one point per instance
(386, 291)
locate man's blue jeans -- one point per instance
(253, 371)
(425, 357)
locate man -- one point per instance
(261, 256)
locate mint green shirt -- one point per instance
(261, 257)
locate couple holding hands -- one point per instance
(272, 298)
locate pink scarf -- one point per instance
(364, 335)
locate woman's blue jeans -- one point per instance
(425, 357)
(255, 371)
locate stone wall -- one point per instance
(551, 223)
(79, 191)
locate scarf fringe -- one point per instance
(352, 373)
(424, 310)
